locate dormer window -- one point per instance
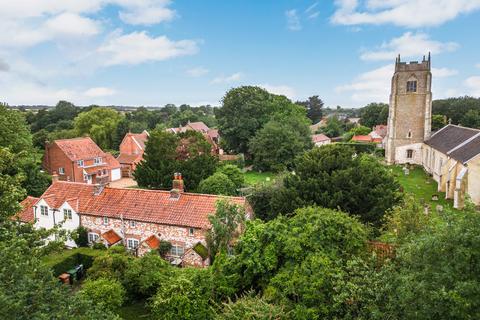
(411, 86)
(97, 160)
(80, 163)
(44, 210)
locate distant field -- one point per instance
(421, 185)
(253, 177)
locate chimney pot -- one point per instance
(177, 182)
(55, 177)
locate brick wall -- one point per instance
(55, 159)
(128, 146)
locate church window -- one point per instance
(409, 135)
(411, 86)
(409, 154)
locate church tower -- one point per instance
(410, 111)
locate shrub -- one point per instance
(80, 236)
(107, 292)
(251, 307)
(99, 246)
(233, 173)
(111, 264)
(164, 247)
(218, 183)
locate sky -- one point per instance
(154, 52)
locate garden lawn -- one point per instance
(419, 183)
(253, 177)
(135, 310)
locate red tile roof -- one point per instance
(111, 161)
(155, 206)
(140, 138)
(111, 236)
(153, 242)
(362, 138)
(80, 148)
(124, 158)
(319, 138)
(381, 130)
(26, 214)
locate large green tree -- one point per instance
(244, 111)
(314, 107)
(167, 153)
(374, 114)
(15, 134)
(100, 124)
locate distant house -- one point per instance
(355, 121)
(131, 151)
(367, 139)
(136, 218)
(379, 131)
(211, 135)
(320, 139)
(320, 124)
(80, 160)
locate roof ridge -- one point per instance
(76, 138)
(168, 191)
(464, 143)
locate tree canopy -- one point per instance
(100, 124)
(314, 107)
(374, 114)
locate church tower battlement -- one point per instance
(410, 111)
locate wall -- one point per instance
(128, 146)
(474, 180)
(55, 158)
(401, 154)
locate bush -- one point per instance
(218, 183)
(80, 236)
(251, 307)
(68, 259)
(99, 246)
(233, 173)
(107, 292)
(164, 247)
(112, 263)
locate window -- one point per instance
(93, 237)
(411, 86)
(105, 220)
(85, 177)
(191, 231)
(44, 210)
(176, 250)
(133, 223)
(61, 170)
(409, 135)
(67, 214)
(104, 172)
(97, 160)
(80, 163)
(409, 154)
(132, 243)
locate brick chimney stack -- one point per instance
(55, 177)
(177, 182)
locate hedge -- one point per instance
(361, 147)
(63, 261)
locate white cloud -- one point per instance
(197, 72)
(370, 86)
(4, 67)
(406, 13)
(139, 47)
(477, 65)
(311, 11)
(473, 85)
(71, 24)
(443, 72)
(147, 12)
(228, 79)
(408, 45)
(283, 90)
(99, 92)
(293, 21)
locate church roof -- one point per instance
(458, 142)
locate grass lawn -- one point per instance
(421, 185)
(136, 310)
(253, 177)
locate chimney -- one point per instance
(177, 186)
(55, 177)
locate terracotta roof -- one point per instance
(381, 130)
(320, 137)
(26, 213)
(198, 126)
(111, 161)
(153, 242)
(95, 169)
(111, 236)
(362, 138)
(140, 138)
(213, 133)
(124, 158)
(80, 148)
(449, 137)
(155, 206)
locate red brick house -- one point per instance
(131, 151)
(211, 135)
(136, 218)
(80, 160)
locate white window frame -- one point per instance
(67, 214)
(44, 211)
(105, 220)
(97, 160)
(191, 232)
(80, 163)
(132, 223)
(61, 170)
(93, 237)
(177, 250)
(132, 243)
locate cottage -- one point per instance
(80, 160)
(131, 152)
(211, 135)
(136, 218)
(320, 139)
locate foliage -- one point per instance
(106, 292)
(187, 296)
(438, 121)
(356, 131)
(374, 114)
(251, 307)
(457, 110)
(244, 111)
(335, 127)
(218, 183)
(314, 106)
(60, 262)
(100, 124)
(164, 247)
(111, 264)
(226, 224)
(80, 236)
(15, 134)
(275, 146)
(233, 173)
(335, 177)
(11, 191)
(166, 153)
(261, 199)
(471, 119)
(59, 118)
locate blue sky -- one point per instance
(153, 52)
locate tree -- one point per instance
(251, 307)
(80, 236)
(226, 224)
(15, 134)
(11, 191)
(244, 111)
(335, 177)
(472, 119)
(438, 122)
(275, 146)
(233, 173)
(356, 131)
(167, 153)
(455, 109)
(314, 106)
(333, 128)
(218, 183)
(100, 124)
(106, 292)
(374, 114)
